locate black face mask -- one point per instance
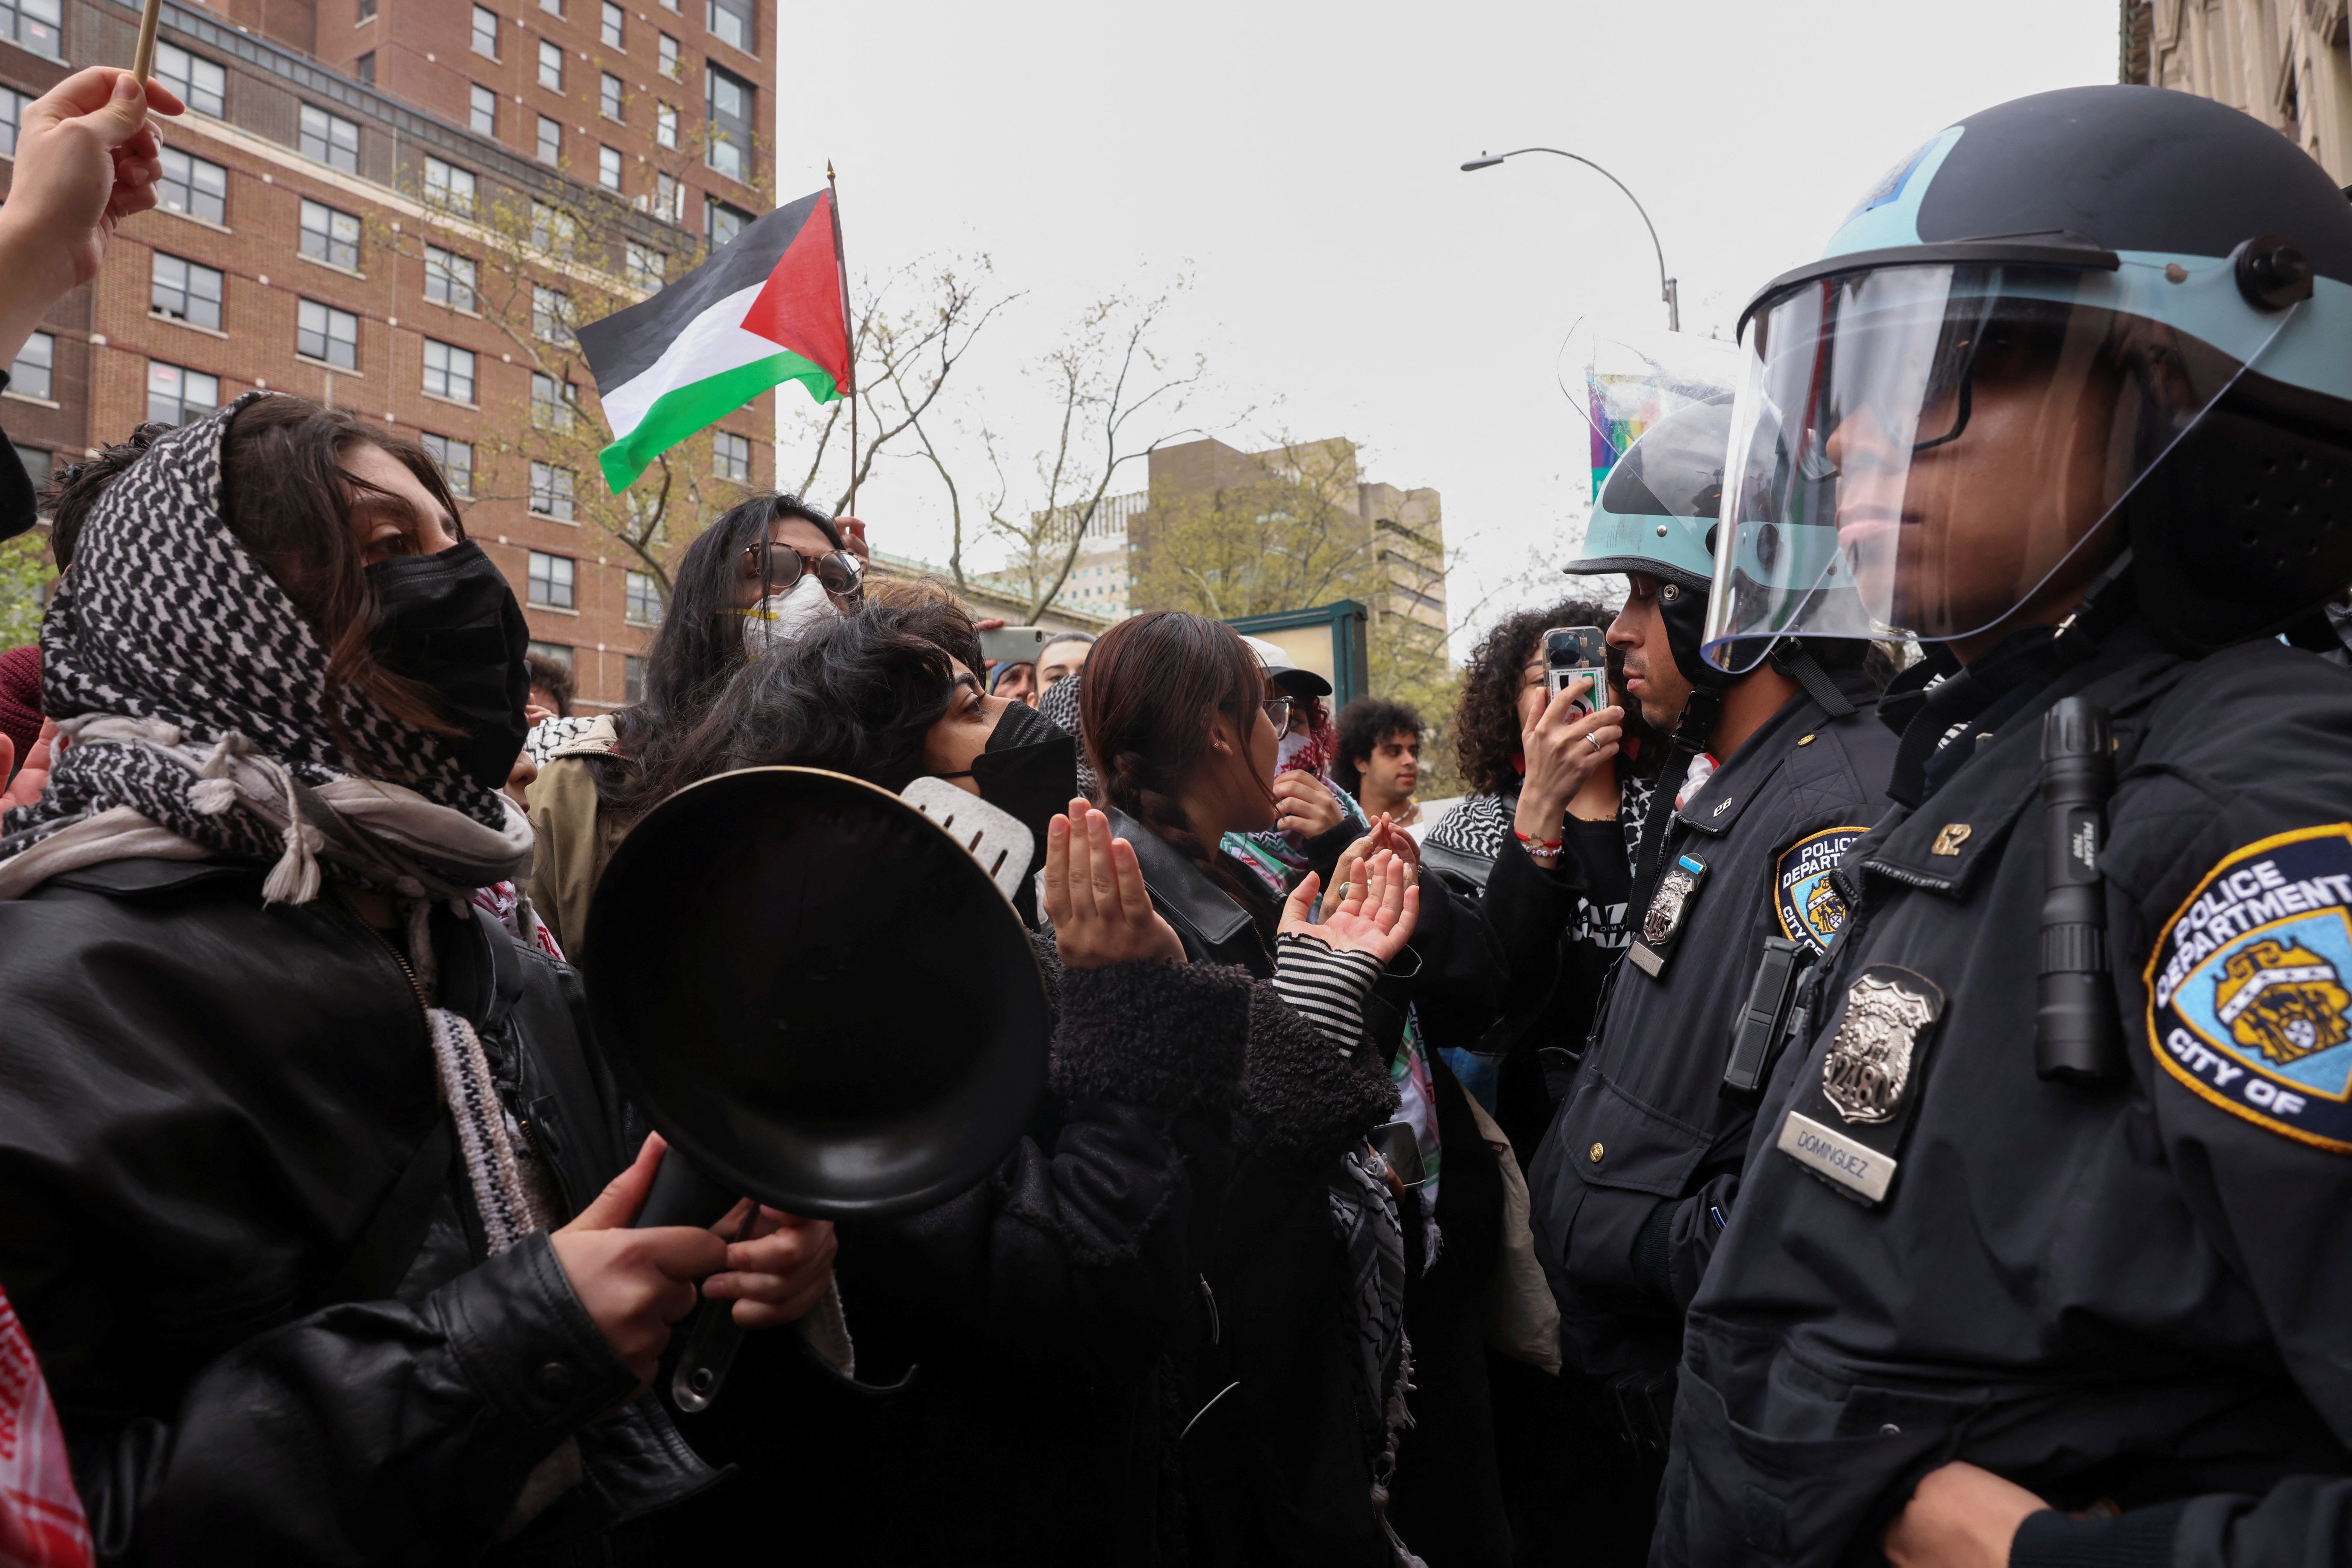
(449, 622)
(1029, 770)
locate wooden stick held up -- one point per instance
(143, 62)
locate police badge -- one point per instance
(1869, 1061)
(1663, 921)
(1869, 1072)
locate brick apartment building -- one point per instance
(330, 144)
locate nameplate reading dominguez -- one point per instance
(1669, 913)
(1848, 1162)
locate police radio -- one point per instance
(2076, 1039)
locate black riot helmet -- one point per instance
(2139, 298)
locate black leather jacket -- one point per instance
(209, 1104)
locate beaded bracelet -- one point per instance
(1539, 850)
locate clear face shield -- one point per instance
(1917, 451)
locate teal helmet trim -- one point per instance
(2159, 205)
(1659, 504)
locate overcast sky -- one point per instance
(1298, 162)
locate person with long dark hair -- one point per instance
(1297, 1359)
(766, 570)
(293, 1131)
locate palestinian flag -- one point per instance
(768, 308)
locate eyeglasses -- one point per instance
(779, 566)
(1277, 709)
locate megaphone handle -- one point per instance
(683, 1195)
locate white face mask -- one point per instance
(1287, 750)
(786, 617)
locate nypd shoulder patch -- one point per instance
(2250, 988)
(1808, 903)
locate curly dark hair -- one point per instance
(1364, 725)
(1486, 723)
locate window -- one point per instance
(608, 167)
(552, 7)
(551, 316)
(193, 186)
(551, 140)
(450, 279)
(665, 125)
(550, 579)
(642, 600)
(365, 66)
(330, 237)
(330, 139)
(367, 10)
(447, 186)
(449, 372)
(552, 229)
(11, 107)
(550, 409)
(486, 32)
(176, 394)
(185, 291)
(734, 22)
(670, 198)
(730, 124)
(456, 461)
(551, 491)
(633, 679)
(614, 19)
(560, 652)
(36, 461)
(34, 372)
(322, 332)
(550, 65)
(721, 222)
(667, 50)
(645, 268)
(608, 96)
(35, 24)
(202, 85)
(730, 456)
(482, 116)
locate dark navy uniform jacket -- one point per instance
(2140, 1294)
(1632, 1183)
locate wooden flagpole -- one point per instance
(144, 61)
(849, 327)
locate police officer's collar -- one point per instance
(1719, 803)
(1941, 840)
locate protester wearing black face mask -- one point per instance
(248, 1040)
(449, 622)
(1028, 768)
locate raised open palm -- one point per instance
(1375, 915)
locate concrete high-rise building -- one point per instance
(2288, 63)
(324, 229)
(1401, 566)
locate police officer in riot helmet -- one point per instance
(2043, 1255)
(1772, 774)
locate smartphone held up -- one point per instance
(1577, 658)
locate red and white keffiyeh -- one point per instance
(41, 1522)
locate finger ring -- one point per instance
(1594, 738)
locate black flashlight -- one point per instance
(2075, 1036)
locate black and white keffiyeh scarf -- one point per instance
(193, 697)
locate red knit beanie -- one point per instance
(20, 697)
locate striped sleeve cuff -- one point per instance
(1327, 987)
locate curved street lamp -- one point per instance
(1666, 290)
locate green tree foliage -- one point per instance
(25, 572)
